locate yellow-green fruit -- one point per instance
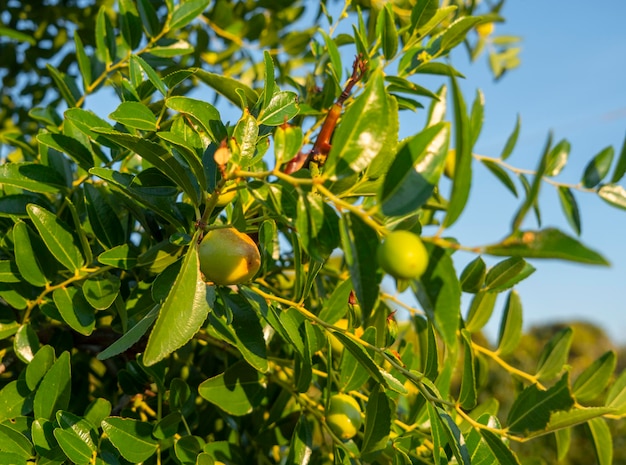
(450, 165)
(403, 255)
(228, 257)
(344, 416)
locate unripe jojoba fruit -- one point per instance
(344, 416)
(228, 256)
(403, 255)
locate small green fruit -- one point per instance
(450, 165)
(344, 416)
(228, 257)
(403, 255)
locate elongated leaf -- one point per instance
(360, 244)
(377, 422)
(508, 273)
(480, 310)
(236, 391)
(613, 194)
(121, 256)
(228, 87)
(439, 292)
(468, 394)
(203, 113)
(415, 171)
(557, 158)
(532, 409)
(153, 77)
(512, 140)
(15, 442)
(57, 237)
(247, 136)
(39, 366)
(554, 356)
(602, 440)
(132, 438)
(422, 12)
(101, 291)
(500, 450)
(132, 336)
(598, 168)
(620, 166)
(135, 115)
(473, 275)
(336, 69)
(456, 32)
(182, 313)
(570, 208)
(387, 32)
(149, 18)
(366, 131)
(9, 273)
(53, 393)
(25, 343)
(130, 25)
(32, 177)
(477, 116)
(102, 218)
(281, 108)
(351, 373)
(547, 243)
(575, 416)
(301, 445)
(462, 181)
(595, 378)
(27, 259)
(455, 438)
(186, 12)
(65, 84)
(76, 450)
(501, 174)
(511, 325)
(157, 156)
(75, 310)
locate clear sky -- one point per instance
(571, 81)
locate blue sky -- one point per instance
(571, 81)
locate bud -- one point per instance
(392, 330)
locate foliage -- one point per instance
(114, 348)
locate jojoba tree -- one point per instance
(117, 349)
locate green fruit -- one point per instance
(228, 257)
(403, 255)
(344, 416)
(450, 165)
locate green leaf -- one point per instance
(236, 391)
(32, 177)
(463, 166)
(121, 256)
(29, 263)
(422, 12)
(351, 373)
(557, 158)
(101, 291)
(456, 32)
(507, 274)
(511, 141)
(511, 325)
(547, 243)
(336, 70)
(269, 85)
(174, 48)
(570, 208)
(153, 77)
(563, 439)
(15, 442)
(46, 446)
(554, 355)
(575, 416)
(439, 292)
(186, 12)
(39, 366)
(477, 116)
(53, 393)
(455, 438)
(182, 313)
(287, 143)
(468, 394)
(104, 222)
(132, 438)
(620, 166)
(613, 194)
(158, 156)
(66, 85)
(228, 87)
(73, 446)
(25, 343)
(203, 113)
(532, 409)
(246, 135)
(97, 410)
(75, 310)
(480, 310)
(360, 243)
(502, 453)
(9, 272)
(473, 275)
(387, 32)
(367, 131)
(415, 171)
(57, 236)
(281, 108)
(616, 397)
(130, 25)
(135, 115)
(187, 449)
(301, 444)
(378, 417)
(598, 168)
(602, 440)
(132, 336)
(591, 382)
(318, 226)
(501, 174)
(149, 18)
(84, 64)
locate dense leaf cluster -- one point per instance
(115, 350)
